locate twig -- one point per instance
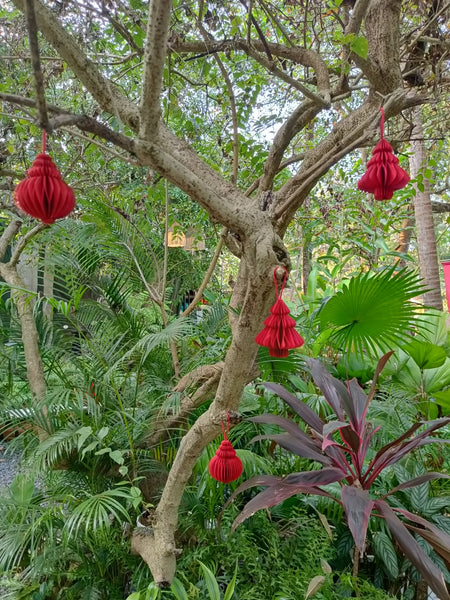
(159, 302)
(8, 235)
(24, 241)
(231, 98)
(207, 276)
(35, 61)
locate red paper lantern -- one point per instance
(43, 194)
(384, 175)
(279, 334)
(225, 466)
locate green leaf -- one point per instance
(116, 456)
(22, 489)
(360, 46)
(230, 587)
(211, 583)
(372, 312)
(134, 596)
(425, 354)
(153, 592)
(385, 551)
(443, 399)
(90, 447)
(102, 432)
(178, 590)
(102, 451)
(84, 433)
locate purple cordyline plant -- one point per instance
(345, 461)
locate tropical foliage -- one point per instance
(356, 464)
(243, 128)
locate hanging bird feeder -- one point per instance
(43, 194)
(279, 334)
(384, 175)
(175, 236)
(194, 240)
(225, 465)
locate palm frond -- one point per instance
(373, 312)
(98, 511)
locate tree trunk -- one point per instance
(421, 591)
(404, 240)
(426, 239)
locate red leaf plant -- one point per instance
(341, 446)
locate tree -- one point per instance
(426, 238)
(244, 52)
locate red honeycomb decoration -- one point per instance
(43, 194)
(279, 334)
(384, 175)
(225, 465)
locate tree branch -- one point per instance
(106, 93)
(207, 276)
(206, 377)
(154, 57)
(8, 235)
(24, 241)
(36, 63)
(358, 14)
(302, 56)
(300, 117)
(349, 133)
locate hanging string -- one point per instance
(382, 123)
(225, 435)
(276, 283)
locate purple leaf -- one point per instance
(257, 480)
(334, 391)
(435, 541)
(380, 366)
(338, 457)
(350, 437)
(358, 506)
(417, 481)
(413, 551)
(297, 446)
(391, 453)
(438, 539)
(274, 495)
(313, 478)
(288, 425)
(360, 404)
(300, 408)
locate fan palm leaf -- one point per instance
(372, 312)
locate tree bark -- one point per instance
(30, 336)
(426, 238)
